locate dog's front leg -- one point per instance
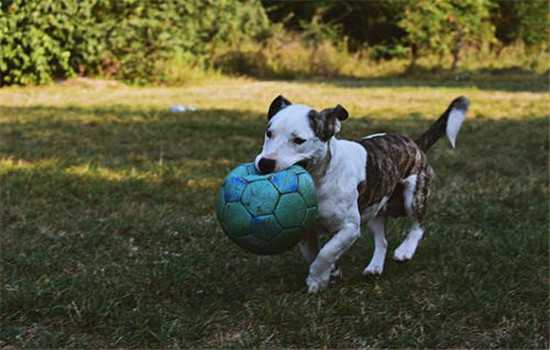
(309, 247)
(320, 269)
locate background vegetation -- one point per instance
(179, 40)
(108, 237)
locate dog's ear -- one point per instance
(278, 103)
(326, 123)
(339, 113)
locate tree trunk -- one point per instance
(456, 53)
(414, 57)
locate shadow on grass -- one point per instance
(479, 80)
(120, 137)
(109, 240)
(511, 79)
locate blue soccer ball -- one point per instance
(266, 213)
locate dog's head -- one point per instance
(296, 134)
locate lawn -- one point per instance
(109, 239)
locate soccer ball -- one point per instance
(266, 214)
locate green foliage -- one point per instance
(288, 56)
(29, 50)
(525, 21)
(424, 21)
(446, 26)
(386, 52)
(534, 28)
(361, 22)
(47, 39)
(175, 41)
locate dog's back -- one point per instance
(398, 173)
(391, 158)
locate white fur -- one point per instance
(376, 265)
(337, 187)
(408, 193)
(454, 122)
(374, 135)
(407, 248)
(288, 123)
(337, 167)
(336, 183)
(338, 210)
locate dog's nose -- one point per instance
(266, 165)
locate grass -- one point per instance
(109, 238)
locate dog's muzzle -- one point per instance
(266, 165)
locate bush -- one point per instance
(30, 52)
(47, 39)
(317, 50)
(285, 57)
(382, 52)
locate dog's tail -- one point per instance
(449, 123)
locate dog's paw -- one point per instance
(374, 268)
(404, 252)
(318, 283)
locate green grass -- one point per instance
(109, 237)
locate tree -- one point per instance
(361, 22)
(534, 22)
(525, 21)
(424, 23)
(446, 26)
(469, 25)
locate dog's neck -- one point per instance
(319, 165)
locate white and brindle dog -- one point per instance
(363, 181)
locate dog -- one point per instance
(363, 181)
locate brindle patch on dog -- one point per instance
(390, 159)
(325, 124)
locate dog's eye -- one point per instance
(268, 134)
(298, 140)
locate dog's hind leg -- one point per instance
(407, 248)
(376, 265)
(415, 195)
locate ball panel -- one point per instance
(307, 189)
(311, 215)
(286, 240)
(243, 170)
(285, 181)
(290, 210)
(233, 188)
(260, 198)
(251, 168)
(266, 214)
(265, 227)
(236, 219)
(255, 177)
